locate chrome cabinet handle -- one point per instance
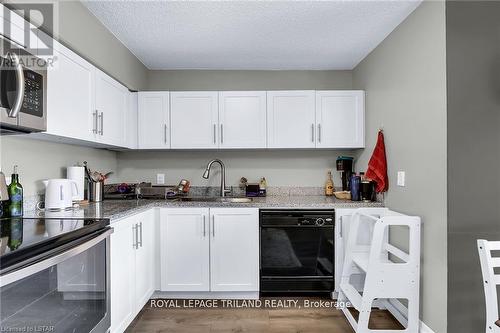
(102, 123)
(204, 226)
(140, 230)
(312, 132)
(165, 133)
(215, 130)
(213, 226)
(134, 236)
(340, 227)
(19, 87)
(319, 133)
(94, 121)
(221, 133)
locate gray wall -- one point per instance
(473, 79)
(83, 33)
(39, 160)
(281, 168)
(248, 80)
(404, 79)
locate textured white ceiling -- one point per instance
(251, 34)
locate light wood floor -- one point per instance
(255, 320)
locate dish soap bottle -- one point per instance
(15, 195)
(329, 184)
(262, 187)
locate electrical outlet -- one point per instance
(160, 178)
(401, 178)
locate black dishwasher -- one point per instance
(296, 251)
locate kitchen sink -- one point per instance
(217, 199)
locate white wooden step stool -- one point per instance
(490, 282)
(391, 273)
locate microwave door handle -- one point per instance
(20, 85)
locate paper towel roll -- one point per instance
(77, 173)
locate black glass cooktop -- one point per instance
(24, 238)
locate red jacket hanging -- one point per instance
(377, 167)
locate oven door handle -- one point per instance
(51, 261)
(19, 87)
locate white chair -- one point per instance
(490, 282)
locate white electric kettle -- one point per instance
(59, 193)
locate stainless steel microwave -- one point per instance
(23, 96)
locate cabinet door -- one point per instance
(145, 258)
(242, 119)
(290, 119)
(131, 121)
(184, 249)
(111, 105)
(340, 119)
(122, 268)
(13, 27)
(70, 96)
(194, 120)
(234, 249)
(153, 122)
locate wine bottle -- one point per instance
(15, 190)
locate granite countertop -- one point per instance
(117, 209)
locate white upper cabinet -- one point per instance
(13, 27)
(340, 119)
(242, 119)
(131, 120)
(154, 120)
(70, 96)
(194, 120)
(111, 107)
(83, 103)
(291, 119)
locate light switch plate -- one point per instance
(401, 178)
(160, 178)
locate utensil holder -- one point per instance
(96, 191)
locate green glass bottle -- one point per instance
(15, 195)
(16, 234)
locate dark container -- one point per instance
(355, 187)
(367, 191)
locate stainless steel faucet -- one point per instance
(206, 174)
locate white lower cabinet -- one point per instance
(234, 249)
(214, 249)
(185, 249)
(132, 267)
(144, 257)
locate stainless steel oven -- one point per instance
(297, 251)
(54, 275)
(23, 86)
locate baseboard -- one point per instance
(206, 295)
(424, 328)
(400, 312)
